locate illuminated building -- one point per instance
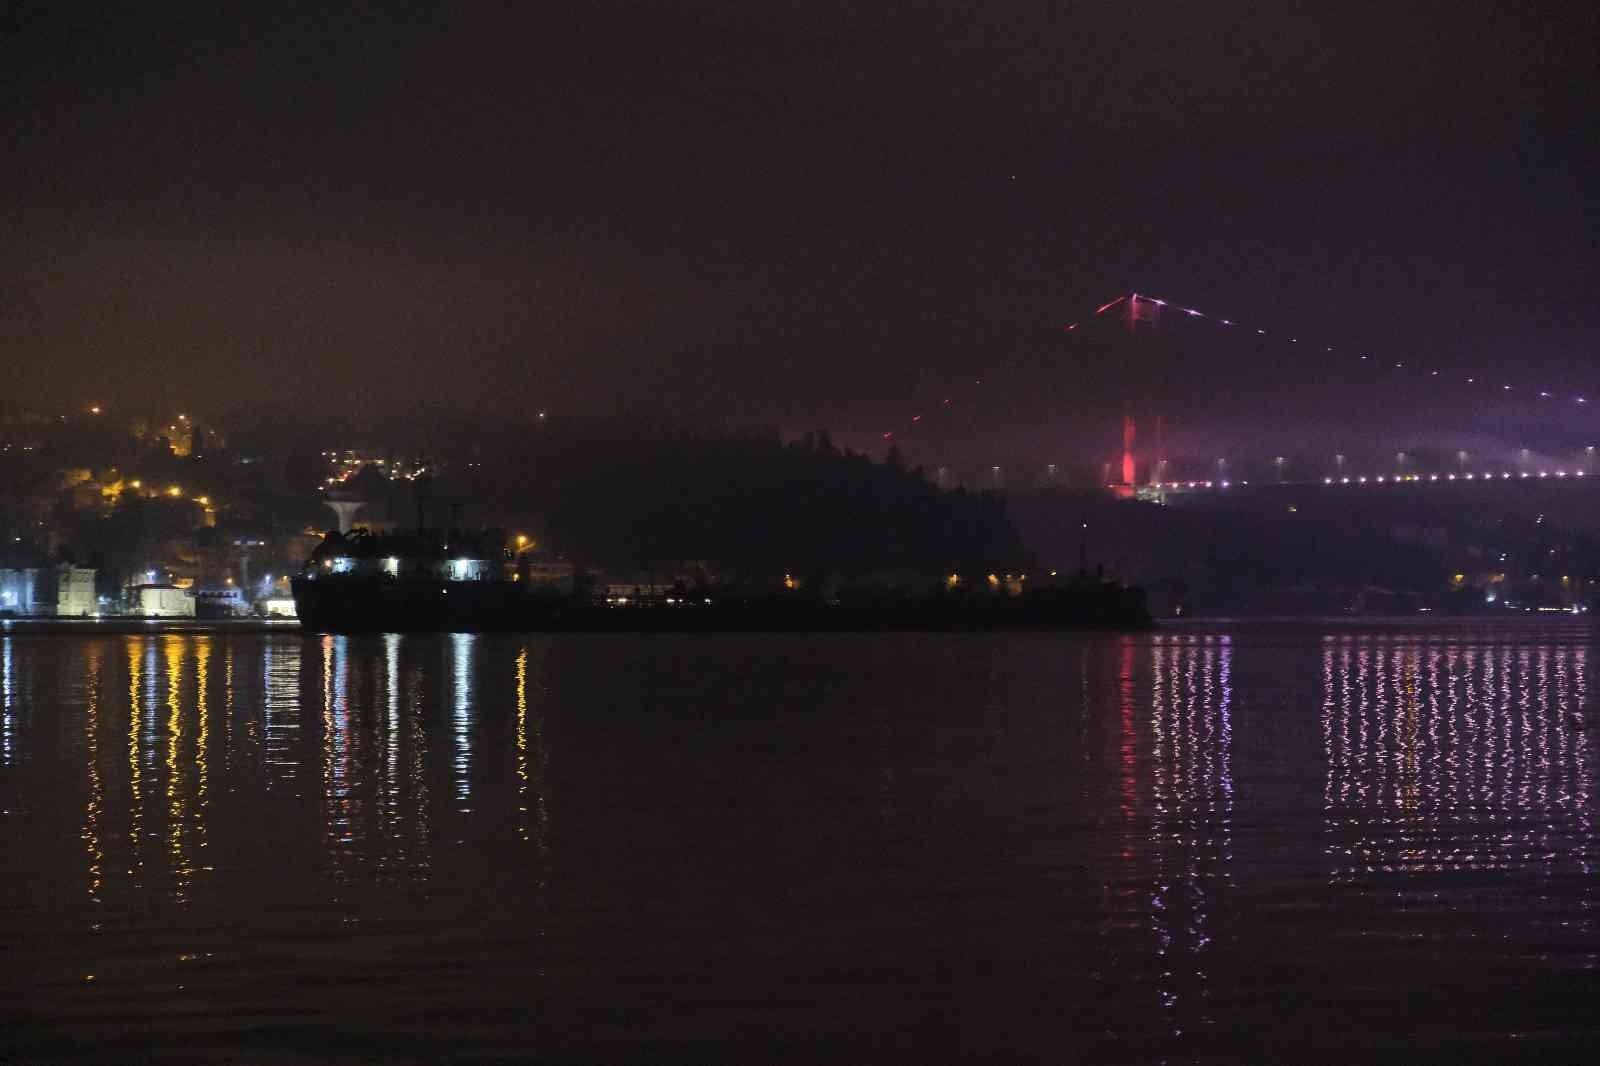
(161, 601)
(63, 591)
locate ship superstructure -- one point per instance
(421, 579)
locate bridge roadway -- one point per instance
(1496, 477)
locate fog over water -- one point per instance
(1323, 842)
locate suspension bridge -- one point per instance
(1160, 341)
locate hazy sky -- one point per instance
(806, 212)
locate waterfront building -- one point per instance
(277, 607)
(74, 588)
(226, 601)
(16, 591)
(61, 591)
(161, 601)
(548, 575)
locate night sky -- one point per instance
(803, 213)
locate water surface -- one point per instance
(1317, 843)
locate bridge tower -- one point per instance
(1128, 434)
(1142, 316)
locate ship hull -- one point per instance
(335, 606)
(338, 606)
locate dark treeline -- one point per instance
(640, 492)
(753, 504)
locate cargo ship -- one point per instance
(422, 580)
(458, 581)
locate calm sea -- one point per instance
(1293, 843)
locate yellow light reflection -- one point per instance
(202, 741)
(177, 812)
(135, 773)
(522, 744)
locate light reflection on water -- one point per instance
(1096, 845)
(461, 645)
(1444, 758)
(1192, 809)
(8, 723)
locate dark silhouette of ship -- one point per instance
(455, 581)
